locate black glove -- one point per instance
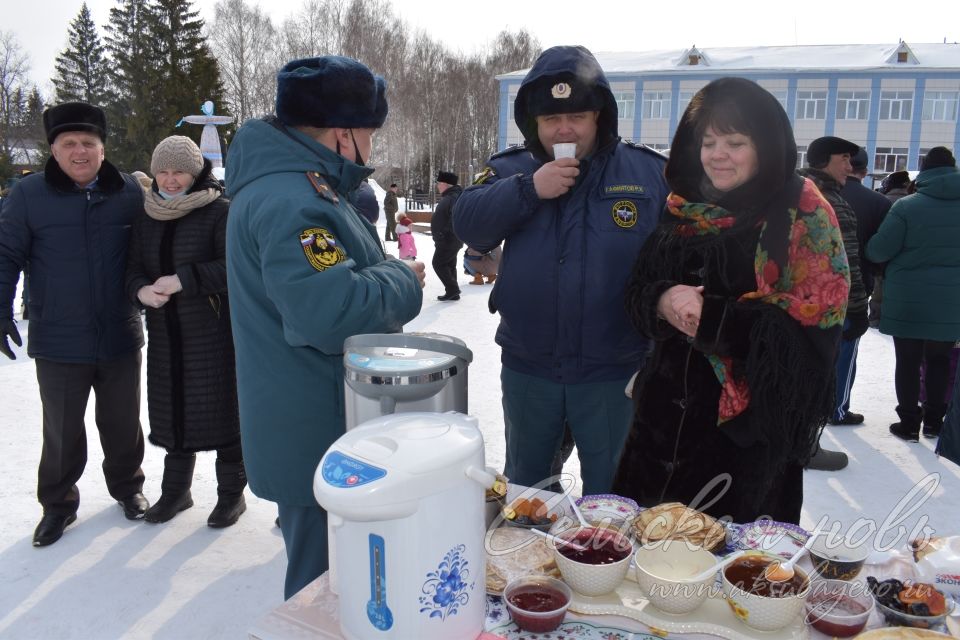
(858, 325)
(8, 329)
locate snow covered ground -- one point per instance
(112, 578)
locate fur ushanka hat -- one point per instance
(936, 158)
(330, 91)
(447, 177)
(74, 116)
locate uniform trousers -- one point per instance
(64, 392)
(535, 411)
(304, 532)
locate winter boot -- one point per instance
(477, 279)
(933, 419)
(175, 487)
(231, 480)
(490, 279)
(908, 428)
(826, 460)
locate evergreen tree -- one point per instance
(81, 70)
(135, 114)
(190, 74)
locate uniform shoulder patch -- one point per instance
(321, 248)
(320, 184)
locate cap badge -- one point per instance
(560, 91)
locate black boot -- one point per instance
(909, 426)
(933, 418)
(231, 480)
(177, 478)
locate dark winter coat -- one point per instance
(76, 243)
(566, 260)
(364, 200)
(441, 223)
(920, 242)
(847, 218)
(870, 208)
(751, 464)
(390, 205)
(191, 378)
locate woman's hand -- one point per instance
(681, 305)
(152, 298)
(168, 285)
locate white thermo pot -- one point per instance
(405, 500)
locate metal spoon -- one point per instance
(783, 571)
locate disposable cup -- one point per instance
(564, 150)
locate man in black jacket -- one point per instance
(72, 224)
(444, 239)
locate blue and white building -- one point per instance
(896, 100)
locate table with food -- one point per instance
(602, 568)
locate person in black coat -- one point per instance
(364, 200)
(444, 239)
(71, 223)
(177, 270)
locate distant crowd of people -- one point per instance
(689, 323)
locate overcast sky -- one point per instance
(600, 25)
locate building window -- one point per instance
(801, 156)
(889, 159)
(683, 101)
(896, 105)
(811, 105)
(940, 105)
(853, 105)
(656, 105)
(902, 56)
(780, 95)
(625, 104)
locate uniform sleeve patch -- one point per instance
(321, 248)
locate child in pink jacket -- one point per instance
(408, 248)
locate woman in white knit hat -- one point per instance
(177, 270)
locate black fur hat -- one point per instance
(74, 116)
(563, 93)
(937, 157)
(330, 91)
(820, 150)
(446, 176)
(859, 161)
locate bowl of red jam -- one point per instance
(597, 560)
(537, 604)
(838, 608)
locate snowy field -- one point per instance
(112, 578)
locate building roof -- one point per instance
(801, 58)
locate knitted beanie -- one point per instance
(177, 153)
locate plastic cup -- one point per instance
(564, 150)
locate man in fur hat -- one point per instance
(71, 222)
(574, 226)
(444, 239)
(305, 273)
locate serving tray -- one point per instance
(713, 617)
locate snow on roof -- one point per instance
(832, 57)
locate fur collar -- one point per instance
(109, 178)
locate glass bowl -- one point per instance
(838, 608)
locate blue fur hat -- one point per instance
(330, 91)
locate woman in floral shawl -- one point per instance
(743, 288)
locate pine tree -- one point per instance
(135, 114)
(81, 70)
(191, 75)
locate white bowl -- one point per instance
(761, 612)
(594, 579)
(664, 570)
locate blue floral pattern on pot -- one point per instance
(445, 590)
